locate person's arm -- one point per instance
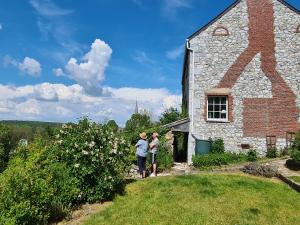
(138, 143)
(153, 144)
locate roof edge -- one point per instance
(215, 19)
(284, 2)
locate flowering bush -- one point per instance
(98, 158)
(35, 188)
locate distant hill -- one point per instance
(30, 129)
(33, 124)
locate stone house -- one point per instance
(241, 78)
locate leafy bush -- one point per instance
(271, 153)
(35, 188)
(98, 158)
(216, 159)
(164, 156)
(295, 153)
(252, 155)
(217, 146)
(6, 146)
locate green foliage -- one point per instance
(217, 146)
(295, 153)
(135, 125)
(271, 153)
(169, 116)
(252, 155)
(30, 129)
(112, 125)
(216, 159)
(98, 158)
(6, 146)
(36, 188)
(164, 156)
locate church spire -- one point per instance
(136, 110)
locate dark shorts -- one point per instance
(141, 163)
(153, 158)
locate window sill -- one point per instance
(217, 121)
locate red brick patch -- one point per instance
(273, 116)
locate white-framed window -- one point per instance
(217, 108)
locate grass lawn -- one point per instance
(203, 199)
(296, 179)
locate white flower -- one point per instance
(76, 165)
(76, 145)
(57, 136)
(85, 152)
(59, 142)
(64, 126)
(92, 144)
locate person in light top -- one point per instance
(141, 152)
(153, 152)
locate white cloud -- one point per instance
(91, 71)
(58, 102)
(48, 8)
(51, 22)
(170, 7)
(30, 66)
(142, 58)
(58, 72)
(175, 53)
(30, 108)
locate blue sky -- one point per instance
(142, 43)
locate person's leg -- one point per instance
(144, 166)
(140, 165)
(154, 164)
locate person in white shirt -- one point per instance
(153, 152)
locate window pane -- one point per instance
(216, 115)
(223, 107)
(210, 100)
(223, 115)
(210, 108)
(210, 115)
(217, 100)
(216, 107)
(223, 100)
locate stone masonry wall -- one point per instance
(215, 57)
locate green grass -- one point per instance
(203, 199)
(296, 179)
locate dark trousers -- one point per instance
(141, 163)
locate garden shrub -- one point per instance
(295, 153)
(6, 146)
(217, 146)
(164, 156)
(35, 188)
(98, 158)
(271, 153)
(216, 159)
(252, 155)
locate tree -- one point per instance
(170, 115)
(6, 146)
(135, 125)
(112, 125)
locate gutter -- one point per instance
(192, 82)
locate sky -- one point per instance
(61, 60)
